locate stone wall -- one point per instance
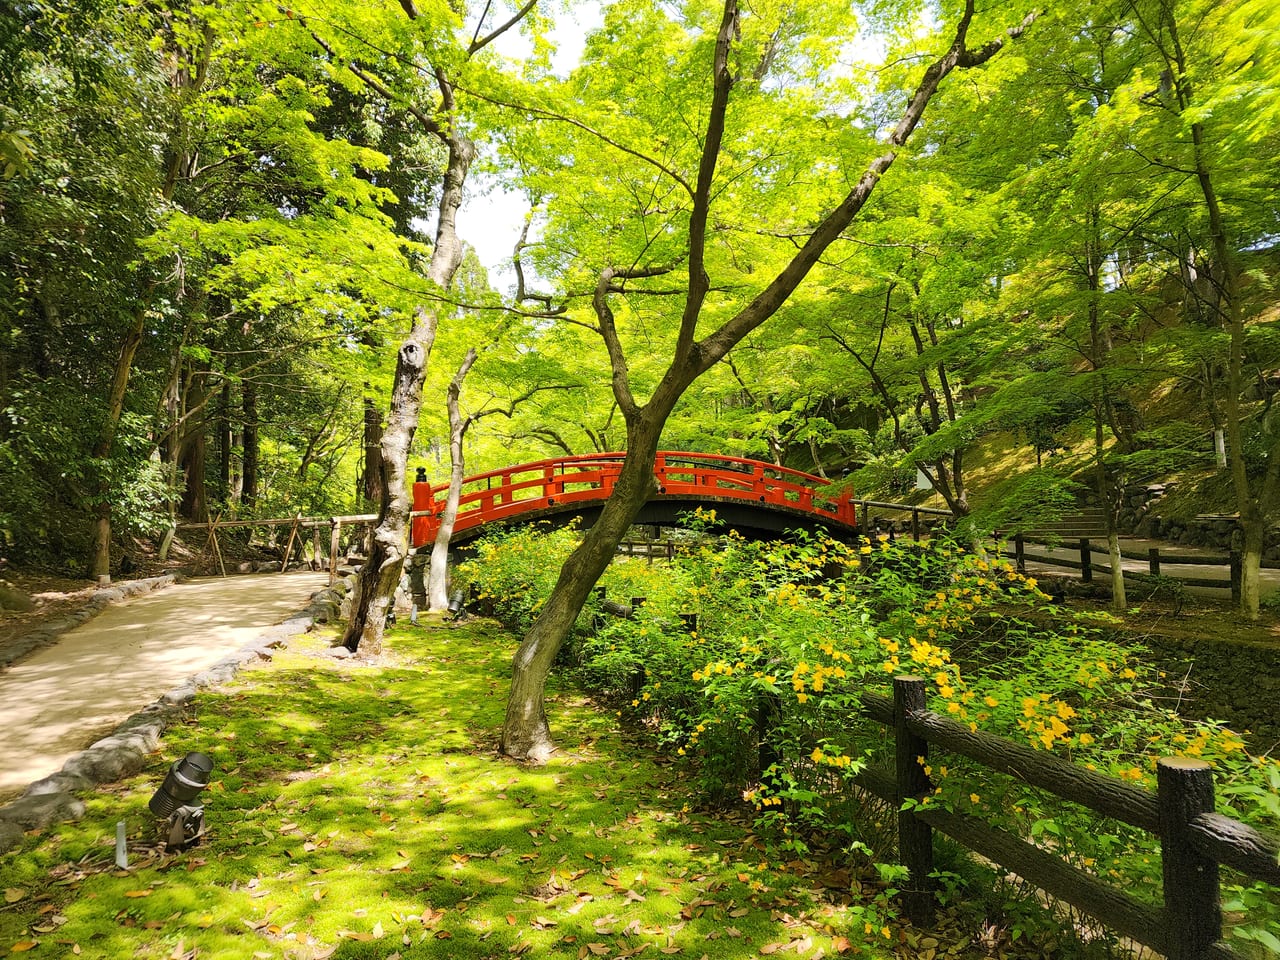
(1233, 681)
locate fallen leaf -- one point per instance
(137, 893)
(13, 895)
(355, 935)
(769, 948)
(740, 912)
(22, 946)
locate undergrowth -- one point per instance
(761, 702)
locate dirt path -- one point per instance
(63, 698)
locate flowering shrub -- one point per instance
(763, 697)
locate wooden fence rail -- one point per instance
(1154, 558)
(1194, 840)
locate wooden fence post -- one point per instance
(1153, 561)
(915, 524)
(1193, 916)
(1020, 553)
(1086, 561)
(335, 535)
(1237, 575)
(915, 837)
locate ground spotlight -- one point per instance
(176, 799)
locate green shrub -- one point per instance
(763, 698)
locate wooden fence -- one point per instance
(1194, 839)
(1155, 560)
(297, 525)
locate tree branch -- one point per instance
(722, 85)
(478, 45)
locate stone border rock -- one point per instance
(125, 751)
(47, 633)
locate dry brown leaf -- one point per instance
(769, 948)
(359, 935)
(134, 894)
(740, 912)
(22, 946)
(13, 895)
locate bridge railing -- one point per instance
(543, 485)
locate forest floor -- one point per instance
(359, 809)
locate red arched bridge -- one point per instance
(748, 495)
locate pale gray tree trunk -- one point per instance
(438, 573)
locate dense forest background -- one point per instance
(216, 224)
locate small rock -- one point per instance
(10, 836)
(340, 653)
(40, 810)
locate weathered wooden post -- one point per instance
(1086, 561)
(1020, 553)
(1237, 575)
(1193, 915)
(915, 524)
(915, 837)
(1153, 561)
(335, 536)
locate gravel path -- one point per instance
(61, 699)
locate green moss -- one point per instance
(362, 810)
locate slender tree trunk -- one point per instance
(438, 573)
(380, 574)
(526, 734)
(192, 458)
(372, 487)
(100, 565)
(224, 444)
(249, 446)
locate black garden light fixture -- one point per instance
(176, 799)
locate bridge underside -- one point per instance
(757, 522)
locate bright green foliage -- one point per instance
(762, 698)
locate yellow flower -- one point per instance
(991, 701)
(953, 707)
(802, 698)
(816, 756)
(974, 798)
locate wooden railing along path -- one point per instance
(1194, 840)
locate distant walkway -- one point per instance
(63, 698)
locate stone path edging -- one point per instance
(48, 633)
(124, 752)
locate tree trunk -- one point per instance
(100, 551)
(380, 574)
(372, 487)
(525, 734)
(249, 446)
(224, 444)
(438, 574)
(195, 503)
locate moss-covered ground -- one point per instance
(360, 810)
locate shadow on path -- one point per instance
(63, 698)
